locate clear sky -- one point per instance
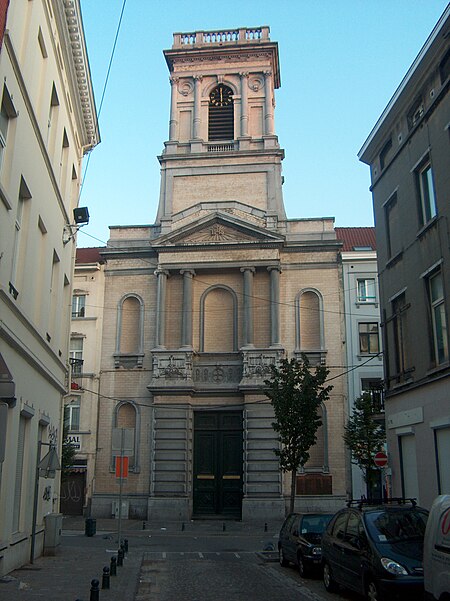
(341, 61)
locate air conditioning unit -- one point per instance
(125, 509)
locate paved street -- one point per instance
(197, 561)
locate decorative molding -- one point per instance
(186, 87)
(255, 83)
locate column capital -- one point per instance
(274, 268)
(244, 269)
(187, 272)
(197, 77)
(161, 271)
(173, 80)
(267, 73)
(243, 74)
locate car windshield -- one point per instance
(315, 523)
(394, 526)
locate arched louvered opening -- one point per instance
(221, 114)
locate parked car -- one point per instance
(300, 541)
(436, 552)
(376, 549)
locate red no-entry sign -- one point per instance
(380, 459)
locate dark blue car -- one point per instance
(376, 550)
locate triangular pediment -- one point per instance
(217, 229)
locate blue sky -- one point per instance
(341, 62)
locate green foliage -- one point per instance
(296, 393)
(68, 453)
(364, 436)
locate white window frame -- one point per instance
(427, 193)
(363, 285)
(72, 413)
(439, 331)
(76, 353)
(78, 306)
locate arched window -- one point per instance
(221, 114)
(130, 332)
(127, 417)
(218, 320)
(309, 325)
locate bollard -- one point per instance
(95, 591)
(223, 526)
(125, 545)
(113, 566)
(265, 527)
(182, 527)
(120, 557)
(144, 525)
(105, 577)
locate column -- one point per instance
(197, 100)
(186, 324)
(173, 123)
(268, 119)
(162, 276)
(274, 305)
(244, 104)
(248, 305)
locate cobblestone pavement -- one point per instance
(194, 561)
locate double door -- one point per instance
(218, 464)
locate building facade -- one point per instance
(409, 158)
(81, 404)
(47, 123)
(204, 301)
(363, 343)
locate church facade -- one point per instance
(200, 304)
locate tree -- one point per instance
(68, 453)
(296, 393)
(364, 437)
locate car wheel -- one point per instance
(302, 568)
(282, 559)
(373, 592)
(328, 580)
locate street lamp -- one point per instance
(45, 467)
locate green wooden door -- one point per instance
(218, 464)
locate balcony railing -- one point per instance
(220, 37)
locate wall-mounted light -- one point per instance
(80, 217)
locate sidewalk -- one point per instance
(67, 576)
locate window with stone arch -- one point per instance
(309, 321)
(130, 330)
(127, 416)
(218, 320)
(221, 114)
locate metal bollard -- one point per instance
(113, 566)
(125, 545)
(120, 557)
(95, 591)
(105, 577)
(144, 525)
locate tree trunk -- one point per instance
(293, 488)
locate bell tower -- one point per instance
(222, 153)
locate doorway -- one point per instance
(217, 464)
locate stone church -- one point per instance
(200, 304)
